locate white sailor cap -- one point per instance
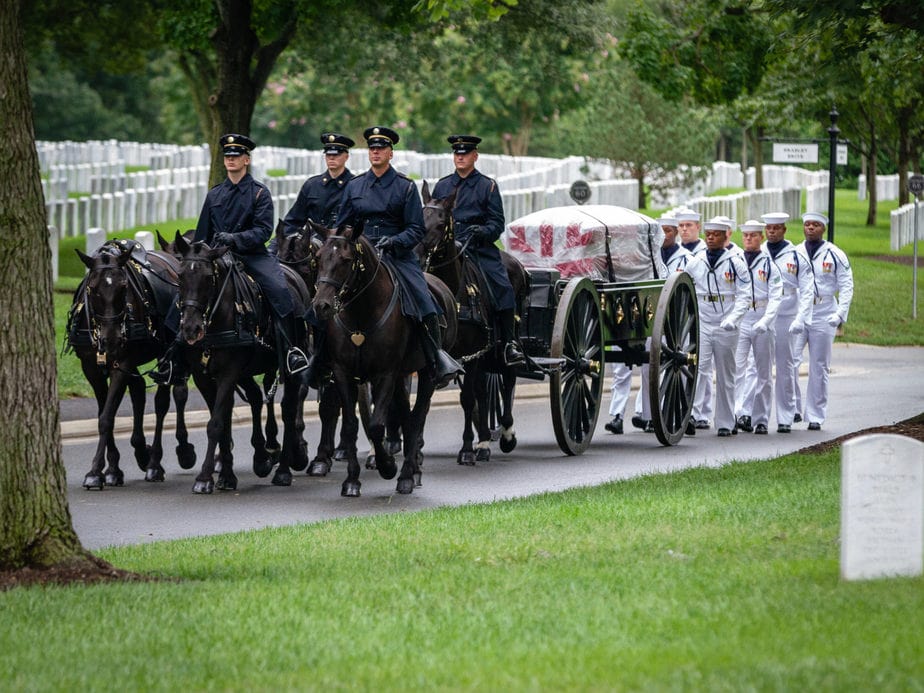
(751, 226)
(727, 220)
(667, 221)
(775, 218)
(815, 216)
(687, 215)
(716, 224)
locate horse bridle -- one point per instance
(205, 308)
(345, 287)
(447, 237)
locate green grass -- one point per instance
(710, 579)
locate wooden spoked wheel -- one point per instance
(576, 388)
(674, 358)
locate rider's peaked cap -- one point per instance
(334, 142)
(234, 145)
(463, 144)
(380, 136)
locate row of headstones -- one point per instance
(750, 204)
(887, 187)
(902, 225)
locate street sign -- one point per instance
(580, 191)
(916, 184)
(795, 153)
(842, 155)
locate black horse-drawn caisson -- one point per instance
(598, 294)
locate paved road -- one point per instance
(870, 386)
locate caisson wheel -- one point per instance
(576, 388)
(674, 358)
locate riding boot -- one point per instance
(170, 369)
(512, 353)
(291, 359)
(445, 368)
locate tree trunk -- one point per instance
(642, 197)
(871, 177)
(35, 522)
(758, 157)
(745, 135)
(904, 118)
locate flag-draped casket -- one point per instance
(602, 242)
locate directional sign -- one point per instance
(842, 154)
(795, 153)
(916, 184)
(580, 191)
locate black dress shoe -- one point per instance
(691, 428)
(797, 418)
(724, 432)
(814, 426)
(638, 422)
(512, 354)
(614, 426)
(760, 430)
(744, 424)
(649, 427)
(783, 428)
(702, 424)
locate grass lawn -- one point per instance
(709, 579)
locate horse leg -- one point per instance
(113, 475)
(413, 436)
(293, 425)
(106, 444)
(508, 436)
(272, 428)
(185, 452)
(204, 482)
(466, 454)
(137, 395)
(328, 411)
(155, 469)
(348, 433)
(483, 448)
(262, 463)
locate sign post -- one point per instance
(580, 191)
(915, 187)
(833, 132)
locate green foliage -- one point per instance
(707, 579)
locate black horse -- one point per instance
(299, 251)
(370, 340)
(114, 326)
(227, 333)
(486, 373)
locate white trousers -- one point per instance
(785, 347)
(820, 338)
(756, 348)
(717, 352)
(622, 384)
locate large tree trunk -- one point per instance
(35, 522)
(756, 134)
(904, 118)
(642, 197)
(871, 177)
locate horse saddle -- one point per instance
(474, 304)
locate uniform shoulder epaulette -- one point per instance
(401, 174)
(445, 177)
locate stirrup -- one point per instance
(296, 361)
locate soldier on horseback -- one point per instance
(238, 213)
(386, 205)
(478, 219)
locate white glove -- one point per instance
(834, 320)
(728, 325)
(797, 327)
(761, 327)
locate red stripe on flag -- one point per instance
(546, 236)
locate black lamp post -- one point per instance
(833, 132)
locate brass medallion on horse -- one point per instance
(227, 335)
(371, 340)
(489, 382)
(115, 325)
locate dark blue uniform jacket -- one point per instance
(318, 200)
(390, 206)
(478, 218)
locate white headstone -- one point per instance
(95, 238)
(882, 496)
(146, 239)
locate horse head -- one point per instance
(107, 297)
(168, 246)
(342, 258)
(199, 275)
(300, 250)
(437, 215)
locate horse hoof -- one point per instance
(319, 467)
(340, 455)
(204, 486)
(282, 479)
(262, 467)
(115, 479)
(273, 452)
(299, 461)
(466, 458)
(143, 458)
(417, 476)
(227, 483)
(154, 475)
(508, 444)
(370, 461)
(186, 455)
(387, 468)
(483, 455)
(392, 447)
(405, 486)
(93, 481)
(350, 489)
